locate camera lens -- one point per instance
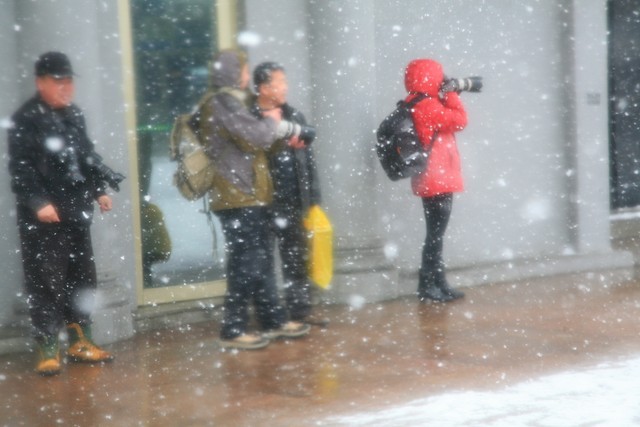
(473, 84)
(307, 134)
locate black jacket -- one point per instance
(52, 161)
(293, 171)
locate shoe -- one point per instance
(48, 357)
(245, 342)
(315, 320)
(288, 330)
(82, 348)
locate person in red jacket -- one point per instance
(436, 119)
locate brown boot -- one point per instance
(82, 348)
(48, 357)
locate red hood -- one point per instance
(423, 75)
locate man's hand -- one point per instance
(105, 203)
(48, 214)
(274, 113)
(296, 143)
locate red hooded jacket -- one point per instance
(433, 114)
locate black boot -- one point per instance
(443, 285)
(428, 289)
(434, 294)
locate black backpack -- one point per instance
(399, 150)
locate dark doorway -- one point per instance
(624, 96)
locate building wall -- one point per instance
(9, 258)
(513, 150)
(535, 153)
(88, 33)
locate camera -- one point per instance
(287, 129)
(104, 172)
(467, 84)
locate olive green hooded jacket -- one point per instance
(236, 140)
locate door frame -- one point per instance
(227, 27)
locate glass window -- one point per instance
(173, 41)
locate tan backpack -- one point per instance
(195, 173)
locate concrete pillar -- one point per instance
(342, 37)
(88, 33)
(10, 261)
(590, 148)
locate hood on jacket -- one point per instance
(423, 75)
(226, 68)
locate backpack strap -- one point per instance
(420, 97)
(194, 121)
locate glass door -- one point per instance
(624, 98)
(181, 254)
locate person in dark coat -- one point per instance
(296, 188)
(436, 118)
(55, 175)
(237, 143)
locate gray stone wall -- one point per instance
(534, 153)
(10, 258)
(89, 33)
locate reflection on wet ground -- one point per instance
(494, 356)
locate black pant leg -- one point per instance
(437, 211)
(45, 257)
(293, 246)
(81, 278)
(250, 271)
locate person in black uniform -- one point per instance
(296, 188)
(57, 176)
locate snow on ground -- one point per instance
(604, 395)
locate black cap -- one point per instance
(54, 64)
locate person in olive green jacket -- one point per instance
(238, 142)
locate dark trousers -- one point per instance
(60, 275)
(250, 271)
(292, 242)
(437, 211)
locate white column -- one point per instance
(591, 145)
(342, 36)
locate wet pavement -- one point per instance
(547, 352)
